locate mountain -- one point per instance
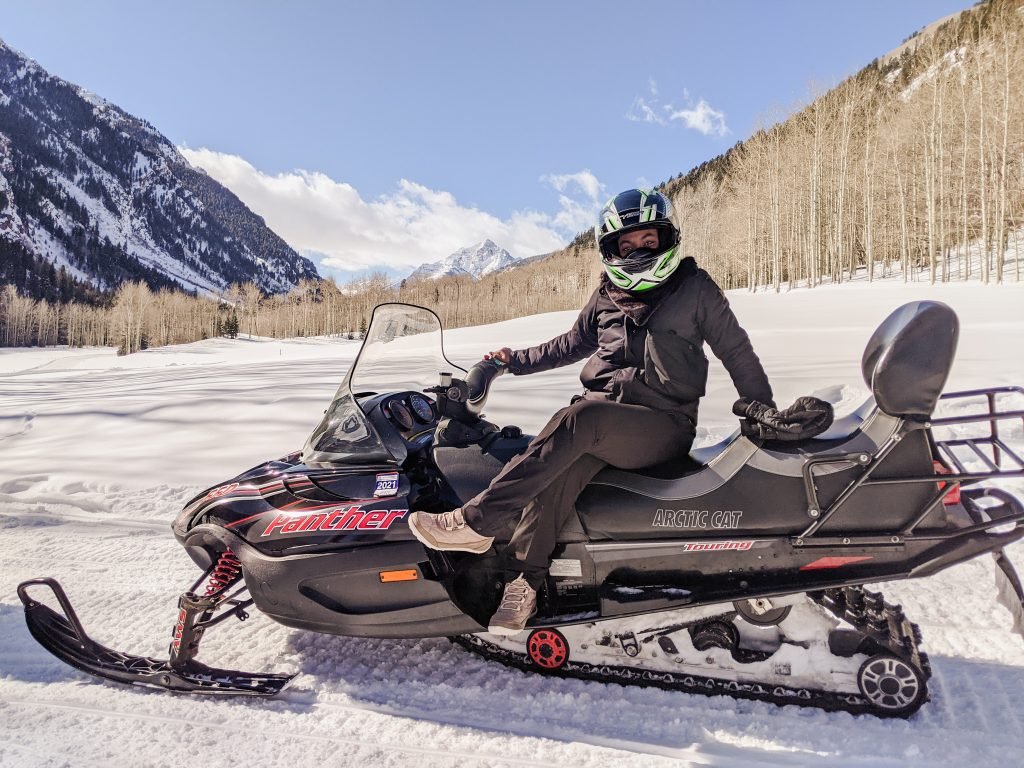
(86, 187)
(474, 260)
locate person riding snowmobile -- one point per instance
(643, 330)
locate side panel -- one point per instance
(341, 591)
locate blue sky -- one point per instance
(388, 134)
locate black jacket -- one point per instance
(661, 363)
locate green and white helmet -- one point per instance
(643, 268)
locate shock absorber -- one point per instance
(196, 612)
(226, 572)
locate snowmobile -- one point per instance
(739, 571)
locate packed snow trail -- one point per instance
(98, 454)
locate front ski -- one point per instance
(64, 637)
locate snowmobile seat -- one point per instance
(840, 432)
(762, 484)
(907, 360)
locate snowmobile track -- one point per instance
(881, 622)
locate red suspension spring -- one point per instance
(225, 573)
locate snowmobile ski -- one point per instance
(64, 637)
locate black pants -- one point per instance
(539, 487)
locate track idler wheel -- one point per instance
(893, 687)
(753, 612)
(547, 648)
(715, 634)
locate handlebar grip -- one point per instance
(480, 376)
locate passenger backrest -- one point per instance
(907, 360)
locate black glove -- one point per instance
(807, 417)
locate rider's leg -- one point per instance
(537, 489)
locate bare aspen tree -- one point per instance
(867, 195)
(252, 297)
(1006, 74)
(982, 165)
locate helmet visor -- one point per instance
(639, 260)
(668, 236)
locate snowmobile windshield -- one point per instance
(402, 351)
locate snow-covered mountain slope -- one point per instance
(88, 187)
(474, 261)
(98, 453)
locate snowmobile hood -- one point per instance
(285, 507)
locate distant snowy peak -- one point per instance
(89, 188)
(474, 261)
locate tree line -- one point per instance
(138, 317)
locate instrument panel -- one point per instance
(423, 408)
(399, 414)
(409, 411)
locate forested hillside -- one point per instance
(913, 166)
(92, 197)
(902, 166)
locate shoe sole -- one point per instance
(501, 629)
(428, 541)
(497, 629)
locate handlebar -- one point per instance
(464, 399)
(479, 379)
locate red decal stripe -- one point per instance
(300, 504)
(245, 519)
(833, 562)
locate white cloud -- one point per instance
(703, 117)
(401, 230)
(642, 112)
(575, 215)
(585, 181)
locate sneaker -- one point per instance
(448, 531)
(518, 604)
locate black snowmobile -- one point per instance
(739, 571)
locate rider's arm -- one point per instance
(730, 343)
(577, 343)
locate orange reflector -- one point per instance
(953, 495)
(386, 577)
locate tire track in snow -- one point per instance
(16, 754)
(557, 732)
(241, 725)
(85, 517)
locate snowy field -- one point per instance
(98, 453)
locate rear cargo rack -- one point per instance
(976, 445)
(998, 458)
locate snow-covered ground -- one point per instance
(98, 453)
